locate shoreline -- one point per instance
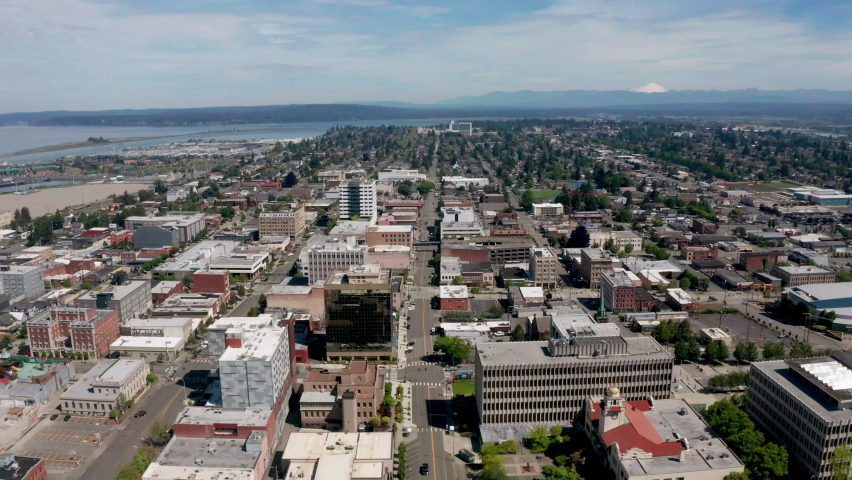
(119, 141)
(50, 199)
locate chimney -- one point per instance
(682, 456)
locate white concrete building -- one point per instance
(460, 222)
(318, 259)
(395, 175)
(358, 197)
(96, 393)
(548, 209)
(465, 182)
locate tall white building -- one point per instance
(254, 360)
(358, 197)
(460, 222)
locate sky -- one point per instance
(110, 54)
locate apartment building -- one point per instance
(548, 209)
(358, 198)
(69, 329)
(620, 239)
(805, 404)
(793, 276)
(522, 385)
(324, 402)
(543, 267)
(279, 224)
(619, 291)
(129, 299)
(22, 280)
(253, 354)
(97, 392)
(595, 261)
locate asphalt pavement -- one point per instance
(163, 403)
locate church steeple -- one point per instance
(601, 315)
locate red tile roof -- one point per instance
(638, 432)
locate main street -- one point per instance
(431, 409)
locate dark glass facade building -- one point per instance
(359, 320)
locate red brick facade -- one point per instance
(89, 330)
(212, 282)
(455, 304)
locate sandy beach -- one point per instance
(51, 199)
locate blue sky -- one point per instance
(100, 54)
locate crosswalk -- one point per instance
(425, 384)
(429, 429)
(420, 364)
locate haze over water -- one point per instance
(14, 139)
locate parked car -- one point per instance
(67, 417)
(783, 335)
(54, 416)
(410, 344)
(424, 469)
(140, 413)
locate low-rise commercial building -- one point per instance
(460, 222)
(793, 276)
(192, 305)
(148, 347)
(195, 259)
(338, 456)
(165, 289)
(497, 250)
(19, 467)
(680, 300)
(324, 255)
(515, 390)
(187, 225)
(245, 265)
(454, 298)
(158, 327)
(97, 392)
(402, 235)
(760, 260)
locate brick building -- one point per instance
(755, 260)
(68, 329)
(212, 282)
(703, 226)
(454, 298)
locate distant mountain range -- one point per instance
(618, 98)
(526, 103)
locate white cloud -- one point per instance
(88, 54)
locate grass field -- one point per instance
(548, 194)
(783, 185)
(464, 387)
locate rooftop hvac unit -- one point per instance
(199, 461)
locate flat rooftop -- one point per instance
(210, 415)
(199, 256)
(164, 287)
(313, 445)
(118, 291)
(260, 339)
(25, 464)
(822, 291)
(84, 389)
(802, 270)
(779, 371)
(707, 452)
(216, 453)
(131, 343)
(526, 353)
(453, 291)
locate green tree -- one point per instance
(161, 433)
(496, 310)
(241, 291)
(717, 351)
(425, 187)
(290, 180)
(664, 332)
(801, 350)
(579, 238)
(493, 472)
(745, 353)
(253, 312)
(527, 200)
(25, 215)
(769, 463)
(736, 476)
(841, 462)
(23, 332)
(457, 349)
(774, 351)
(560, 473)
(682, 351)
(727, 419)
(628, 249)
(539, 440)
(404, 188)
(458, 281)
(518, 334)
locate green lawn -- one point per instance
(782, 185)
(548, 194)
(464, 387)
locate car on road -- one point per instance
(412, 307)
(67, 417)
(714, 299)
(424, 469)
(54, 416)
(410, 344)
(140, 413)
(408, 326)
(783, 335)
(290, 254)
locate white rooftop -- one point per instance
(453, 291)
(832, 373)
(532, 292)
(130, 343)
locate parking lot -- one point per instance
(66, 445)
(68, 460)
